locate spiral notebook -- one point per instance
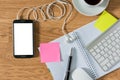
(81, 58)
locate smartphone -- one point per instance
(23, 44)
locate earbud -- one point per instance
(69, 39)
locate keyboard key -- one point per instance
(107, 38)
(105, 44)
(113, 43)
(114, 54)
(103, 41)
(109, 65)
(117, 46)
(116, 35)
(109, 41)
(99, 44)
(95, 47)
(97, 56)
(110, 57)
(109, 46)
(112, 62)
(119, 54)
(110, 52)
(101, 59)
(94, 53)
(119, 32)
(102, 53)
(106, 49)
(106, 55)
(117, 40)
(118, 51)
(113, 49)
(104, 62)
(101, 47)
(111, 34)
(91, 50)
(117, 58)
(97, 50)
(105, 68)
(112, 38)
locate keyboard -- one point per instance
(106, 48)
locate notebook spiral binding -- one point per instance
(84, 51)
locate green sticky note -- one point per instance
(105, 21)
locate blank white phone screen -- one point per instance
(23, 38)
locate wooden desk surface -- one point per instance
(32, 69)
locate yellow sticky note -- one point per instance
(105, 21)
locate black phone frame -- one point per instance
(23, 21)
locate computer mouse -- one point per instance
(80, 74)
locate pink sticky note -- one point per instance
(50, 52)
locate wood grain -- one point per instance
(32, 69)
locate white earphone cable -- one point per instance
(21, 12)
(67, 18)
(49, 14)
